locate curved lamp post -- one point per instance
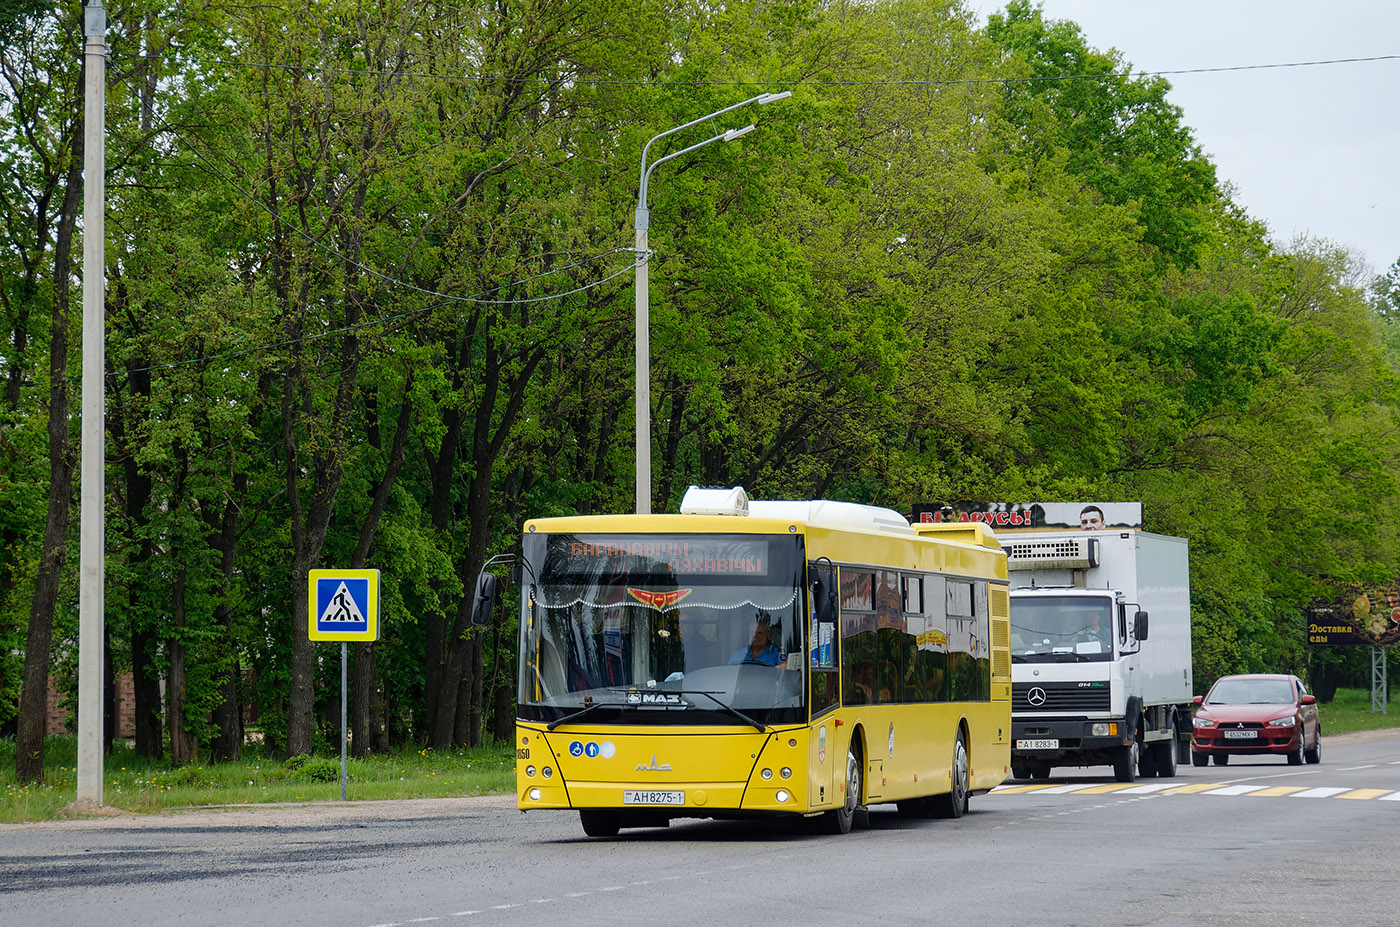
(643, 225)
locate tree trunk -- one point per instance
(33, 702)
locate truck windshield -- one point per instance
(663, 629)
(1049, 629)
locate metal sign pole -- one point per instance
(344, 649)
(1380, 686)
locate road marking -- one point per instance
(1020, 789)
(1198, 787)
(1147, 789)
(1276, 790)
(1235, 790)
(1364, 793)
(1350, 768)
(1393, 796)
(1318, 793)
(1063, 789)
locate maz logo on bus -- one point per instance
(664, 767)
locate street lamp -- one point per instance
(643, 225)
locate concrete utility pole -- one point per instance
(91, 618)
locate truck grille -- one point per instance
(1061, 696)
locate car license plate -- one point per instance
(642, 797)
(1240, 735)
(1042, 744)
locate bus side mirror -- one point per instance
(824, 596)
(484, 600)
(1140, 626)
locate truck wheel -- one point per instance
(1165, 751)
(1147, 761)
(1019, 771)
(1125, 762)
(954, 804)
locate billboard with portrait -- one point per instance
(1035, 516)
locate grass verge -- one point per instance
(138, 784)
(1350, 710)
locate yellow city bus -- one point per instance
(749, 659)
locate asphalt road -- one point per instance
(1251, 843)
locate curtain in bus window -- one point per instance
(962, 665)
(932, 641)
(859, 641)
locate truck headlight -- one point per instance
(1102, 729)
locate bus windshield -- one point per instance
(1048, 629)
(663, 629)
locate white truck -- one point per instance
(1089, 685)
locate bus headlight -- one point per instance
(530, 771)
(785, 772)
(534, 795)
(782, 796)
(767, 774)
(548, 772)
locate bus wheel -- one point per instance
(839, 821)
(954, 804)
(600, 823)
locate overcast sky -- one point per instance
(1310, 150)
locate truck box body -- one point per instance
(1123, 701)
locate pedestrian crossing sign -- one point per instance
(343, 605)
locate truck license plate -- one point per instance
(1041, 744)
(1240, 735)
(641, 797)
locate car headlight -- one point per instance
(1202, 722)
(1289, 721)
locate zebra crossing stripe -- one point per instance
(1364, 793)
(1277, 790)
(1318, 793)
(1235, 790)
(1198, 787)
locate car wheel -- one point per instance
(1199, 759)
(839, 821)
(1295, 757)
(1315, 754)
(954, 804)
(1221, 759)
(1125, 762)
(600, 823)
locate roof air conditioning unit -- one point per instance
(1061, 553)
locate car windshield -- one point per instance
(648, 629)
(1251, 692)
(1050, 629)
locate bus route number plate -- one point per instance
(643, 797)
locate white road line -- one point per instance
(1151, 787)
(1065, 789)
(1318, 793)
(1350, 768)
(1234, 790)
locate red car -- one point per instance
(1256, 714)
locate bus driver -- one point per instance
(760, 648)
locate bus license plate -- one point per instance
(1042, 744)
(1239, 735)
(640, 797)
